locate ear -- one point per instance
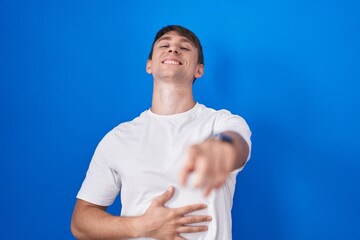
(148, 66)
(199, 71)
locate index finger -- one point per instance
(190, 208)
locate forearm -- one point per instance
(241, 149)
(91, 222)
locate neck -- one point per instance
(169, 98)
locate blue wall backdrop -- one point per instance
(72, 70)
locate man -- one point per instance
(192, 151)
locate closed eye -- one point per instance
(184, 48)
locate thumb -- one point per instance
(163, 198)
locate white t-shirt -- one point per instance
(143, 157)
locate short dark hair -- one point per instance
(189, 35)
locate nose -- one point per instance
(174, 49)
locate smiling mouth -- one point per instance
(172, 62)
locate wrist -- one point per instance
(134, 226)
(228, 149)
(223, 138)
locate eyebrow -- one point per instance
(183, 39)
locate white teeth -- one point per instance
(172, 62)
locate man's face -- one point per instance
(174, 58)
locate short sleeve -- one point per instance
(102, 184)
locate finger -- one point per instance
(194, 219)
(207, 191)
(189, 165)
(192, 229)
(201, 171)
(214, 183)
(216, 176)
(179, 238)
(163, 198)
(223, 169)
(190, 208)
(210, 185)
(220, 180)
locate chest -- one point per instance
(156, 152)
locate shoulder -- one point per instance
(131, 125)
(125, 129)
(225, 120)
(218, 113)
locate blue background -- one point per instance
(72, 70)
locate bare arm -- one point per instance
(241, 149)
(90, 221)
(213, 160)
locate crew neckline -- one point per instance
(174, 116)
